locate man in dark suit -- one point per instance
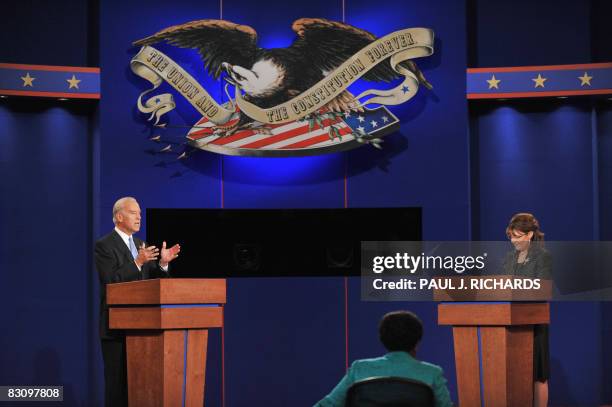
(120, 257)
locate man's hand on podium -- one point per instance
(167, 255)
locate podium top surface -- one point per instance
(493, 313)
(167, 291)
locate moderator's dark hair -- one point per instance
(400, 331)
(525, 222)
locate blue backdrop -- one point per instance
(64, 165)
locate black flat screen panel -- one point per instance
(276, 242)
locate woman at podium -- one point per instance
(530, 259)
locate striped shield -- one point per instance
(325, 134)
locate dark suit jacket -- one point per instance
(537, 265)
(115, 264)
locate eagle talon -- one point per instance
(264, 130)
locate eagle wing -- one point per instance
(328, 44)
(217, 41)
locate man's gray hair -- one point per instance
(118, 206)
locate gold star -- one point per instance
(74, 82)
(585, 79)
(493, 83)
(27, 80)
(539, 81)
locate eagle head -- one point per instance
(265, 78)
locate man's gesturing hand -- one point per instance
(167, 255)
(146, 254)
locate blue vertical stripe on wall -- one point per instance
(604, 149)
(595, 172)
(535, 158)
(44, 255)
(96, 390)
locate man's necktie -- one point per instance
(133, 248)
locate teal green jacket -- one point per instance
(395, 364)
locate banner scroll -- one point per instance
(396, 47)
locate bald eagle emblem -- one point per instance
(286, 101)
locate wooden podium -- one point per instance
(166, 323)
(494, 350)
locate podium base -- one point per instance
(166, 368)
